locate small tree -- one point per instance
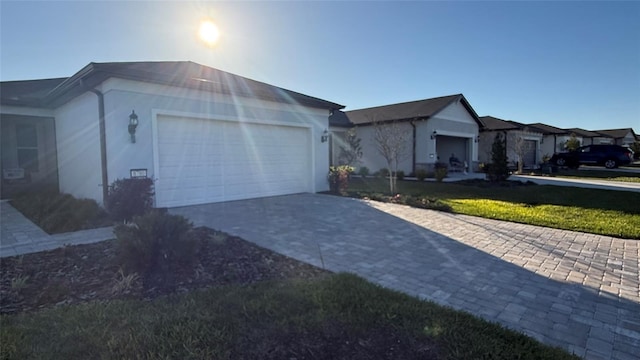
(390, 140)
(498, 169)
(351, 151)
(572, 144)
(521, 147)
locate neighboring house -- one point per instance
(553, 138)
(521, 140)
(202, 134)
(619, 136)
(588, 137)
(433, 128)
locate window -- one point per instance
(27, 147)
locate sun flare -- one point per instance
(209, 32)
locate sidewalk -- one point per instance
(20, 236)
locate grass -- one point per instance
(603, 212)
(336, 317)
(598, 175)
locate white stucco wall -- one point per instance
(150, 101)
(487, 138)
(78, 146)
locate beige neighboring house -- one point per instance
(522, 141)
(433, 128)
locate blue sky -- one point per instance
(568, 64)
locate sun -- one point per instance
(209, 32)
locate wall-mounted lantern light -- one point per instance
(434, 134)
(477, 138)
(133, 124)
(325, 136)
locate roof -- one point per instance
(339, 119)
(548, 129)
(185, 74)
(616, 133)
(26, 92)
(413, 110)
(583, 133)
(493, 123)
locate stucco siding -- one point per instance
(372, 158)
(121, 97)
(78, 146)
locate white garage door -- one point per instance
(202, 161)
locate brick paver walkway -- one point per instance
(569, 289)
(20, 236)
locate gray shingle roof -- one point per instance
(616, 133)
(420, 109)
(183, 74)
(493, 123)
(26, 92)
(548, 129)
(583, 133)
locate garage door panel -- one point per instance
(204, 161)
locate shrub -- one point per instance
(400, 175)
(421, 174)
(440, 174)
(56, 212)
(364, 171)
(129, 197)
(498, 170)
(339, 178)
(441, 170)
(384, 172)
(156, 242)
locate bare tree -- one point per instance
(390, 140)
(350, 150)
(521, 147)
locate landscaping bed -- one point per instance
(76, 274)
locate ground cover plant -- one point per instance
(605, 212)
(57, 213)
(245, 303)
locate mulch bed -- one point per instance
(76, 274)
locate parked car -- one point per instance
(609, 156)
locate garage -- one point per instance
(207, 160)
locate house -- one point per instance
(339, 125)
(522, 141)
(433, 128)
(587, 137)
(202, 134)
(619, 136)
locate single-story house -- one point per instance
(339, 125)
(520, 140)
(203, 135)
(433, 128)
(587, 137)
(619, 136)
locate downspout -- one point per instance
(103, 144)
(413, 160)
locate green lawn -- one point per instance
(605, 212)
(338, 317)
(599, 175)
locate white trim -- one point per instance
(26, 111)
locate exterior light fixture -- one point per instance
(434, 134)
(133, 124)
(477, 138)
(325, 136)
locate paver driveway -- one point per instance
(574, 290)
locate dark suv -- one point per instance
(611, 156)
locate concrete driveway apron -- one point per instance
(568, 289)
